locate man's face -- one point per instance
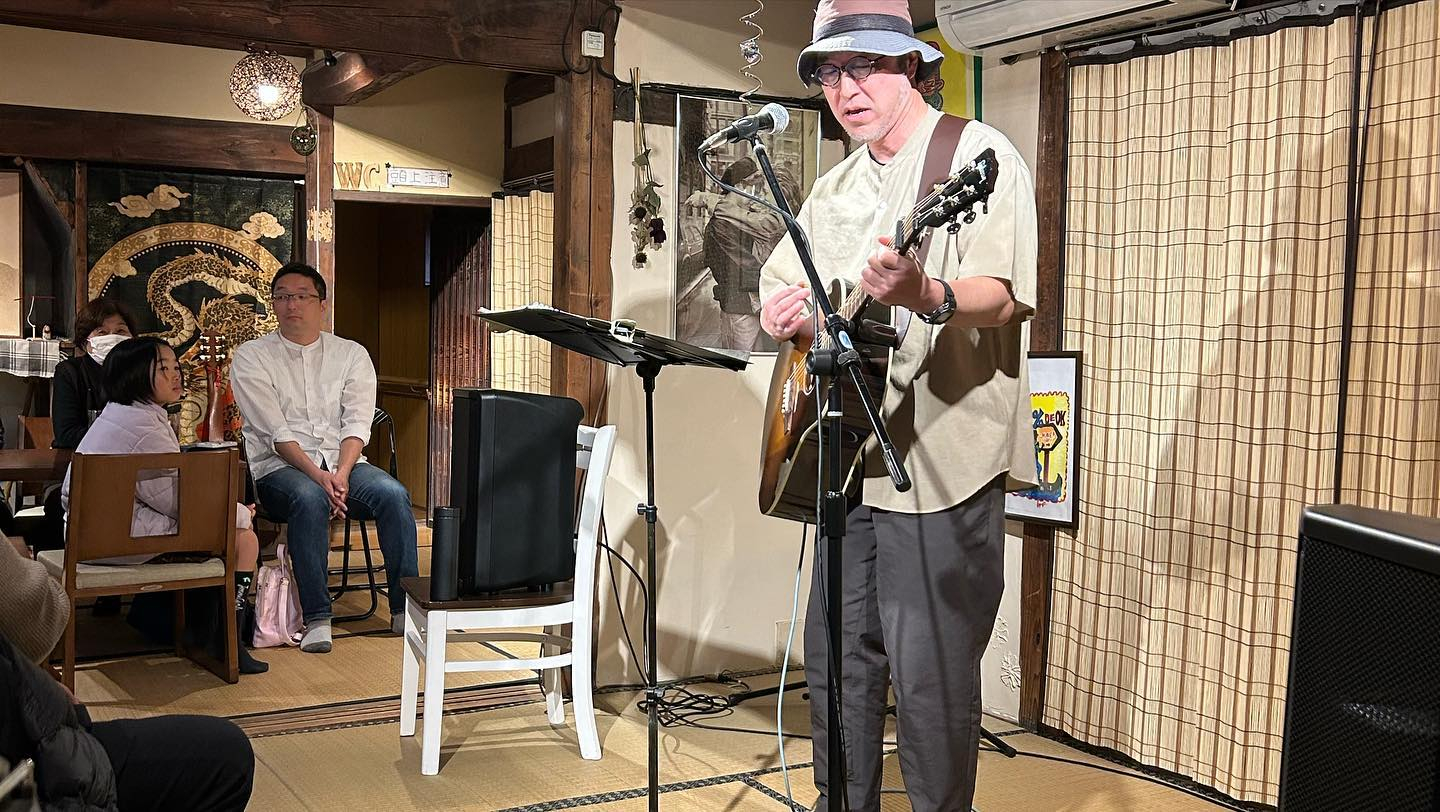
(298, 304)
(870, 107)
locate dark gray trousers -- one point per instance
(920, 597)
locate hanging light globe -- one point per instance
(264, 85)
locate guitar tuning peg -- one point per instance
(953, 228)
(985, 206)
(969, 216)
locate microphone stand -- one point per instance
(835, 362)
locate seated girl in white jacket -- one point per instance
(142, 376)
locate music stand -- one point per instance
(622, 344)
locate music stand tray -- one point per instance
(621, 343)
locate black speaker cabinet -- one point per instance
(1362, 714)
(512, 477)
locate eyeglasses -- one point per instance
(300, 298)
(859, 69)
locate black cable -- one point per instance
(565, 43)
(619, 605)
(600, 64)
(784, 215)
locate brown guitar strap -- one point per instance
(939, 156)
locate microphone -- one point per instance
(772, 118)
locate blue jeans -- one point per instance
(295, 499)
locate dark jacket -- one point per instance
(39, 720)
(79, 390)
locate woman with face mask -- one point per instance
(79, 393)
(77, 396)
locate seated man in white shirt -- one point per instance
(307, 398)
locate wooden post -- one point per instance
(1045, 334)
(584, 205)
(320, 203)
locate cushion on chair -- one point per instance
(95, 576)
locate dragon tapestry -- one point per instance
(192, 256)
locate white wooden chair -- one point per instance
(429, 625)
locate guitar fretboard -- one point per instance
(906, 237)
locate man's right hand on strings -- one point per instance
(786, 314)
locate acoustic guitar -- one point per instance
(790, 455)
(218, 397)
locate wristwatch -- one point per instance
(941, 314)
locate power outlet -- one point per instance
(782, 630)
(592, 43)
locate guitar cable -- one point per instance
(785, 666)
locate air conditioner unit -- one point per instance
(1000, 28)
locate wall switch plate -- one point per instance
(592, 43)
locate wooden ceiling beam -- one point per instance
(199, 39)
(129, 138)
(356, 77)
(522, 35)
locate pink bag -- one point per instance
(277, 604)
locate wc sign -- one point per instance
(414, 176)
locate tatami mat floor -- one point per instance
(326, 737)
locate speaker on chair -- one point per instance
(512, 478)
(1362, 714)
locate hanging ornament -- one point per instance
(304, 139)
(750, 52)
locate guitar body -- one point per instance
(789, 460)
(789, 471)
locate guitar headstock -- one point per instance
(954, 200)
(214, 349)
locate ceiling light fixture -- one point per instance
(264, 85)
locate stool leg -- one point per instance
(434, 692)
(409, 675)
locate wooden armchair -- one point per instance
(102, 501)
(35, 432)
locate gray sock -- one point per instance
(397, 623)
(317, 637)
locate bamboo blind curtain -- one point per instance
(1204, 273)
(1392, 421)
(522, 249)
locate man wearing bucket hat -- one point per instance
(924, 569)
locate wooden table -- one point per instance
(33, 464)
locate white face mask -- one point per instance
(100, 346)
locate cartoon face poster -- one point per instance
(1054, 401)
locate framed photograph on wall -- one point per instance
(1056, 419)
(722, 239)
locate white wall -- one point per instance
(42, 68)
(1010, 102)
(448, 117)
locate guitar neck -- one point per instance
(906, 238)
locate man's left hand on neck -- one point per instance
(898, 280)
